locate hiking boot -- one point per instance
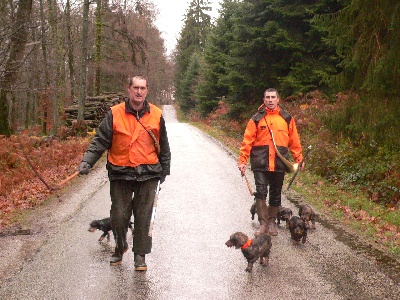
(140, 263)
(116, 258)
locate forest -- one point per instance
(336, 64)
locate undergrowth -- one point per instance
(53, 160)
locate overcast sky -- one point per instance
(169, 21)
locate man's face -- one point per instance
(137, 91)
(271, 100)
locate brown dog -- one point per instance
(307, 214)
(298, 229)
(284, 214)
(252, 249)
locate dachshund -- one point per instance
(284, 214)
(307, 214)
(298, 229)
(252, 249)
(105, 226)
(253, 210)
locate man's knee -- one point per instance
(275, 201)
(260, 195)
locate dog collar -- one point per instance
(248, 243)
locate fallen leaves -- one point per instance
(20, 188)
(385, 232)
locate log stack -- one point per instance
(95, 109)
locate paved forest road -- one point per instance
(200, 205)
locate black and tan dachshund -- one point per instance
(252, 249)
(105, 226)
(298, 229)
(284, 214)
(253, 210)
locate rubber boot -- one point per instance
(272, 215)
(261, 206)
(140, 262)
(116, 258)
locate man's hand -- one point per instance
(242, 169)
(84, 168)
(301, 166)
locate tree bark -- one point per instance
(98, 54)
(70, 49)
(13, 64)
(44, 96)
(82, 86)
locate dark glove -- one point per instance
(162, 179)
(84, 168)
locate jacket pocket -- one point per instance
(279, 164)
(259, 158)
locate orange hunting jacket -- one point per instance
(257, 142)
(131, 144)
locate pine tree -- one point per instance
(191, 43)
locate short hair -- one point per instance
(139, 77)
(272, 90)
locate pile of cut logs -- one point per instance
(95, 109)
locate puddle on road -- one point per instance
(388, 265)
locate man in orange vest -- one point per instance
(270, 124)
(135, 136)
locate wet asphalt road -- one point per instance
(201, 204)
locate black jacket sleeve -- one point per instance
(101, 141)
(165, 153)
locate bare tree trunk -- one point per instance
(82, 86)
(14, 61)
(44, 97)
(70, 49)
(56, 65)
(98, 54)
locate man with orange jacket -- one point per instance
(135, 136)
(269, 170)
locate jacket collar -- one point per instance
(269, 111)
(129, 109)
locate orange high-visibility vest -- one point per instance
(131, 144)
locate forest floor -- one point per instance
(31, 169)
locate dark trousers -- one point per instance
(269, 181)
(141, 205)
